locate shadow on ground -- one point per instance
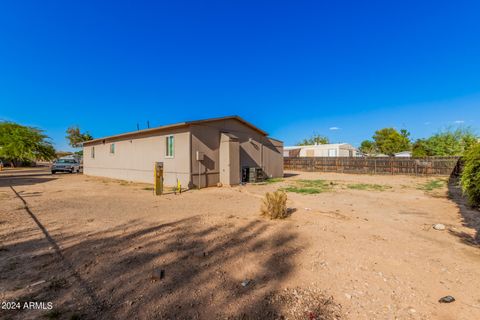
(184, 269)
(24, 178)
(470, 216)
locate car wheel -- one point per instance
(53, 171)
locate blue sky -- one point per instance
(292, 68)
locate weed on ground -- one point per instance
(432, 185)
(309, 186)
(273, 180)
(369, 187)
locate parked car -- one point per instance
(66, 165)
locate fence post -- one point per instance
(375, 166)
(391, 165)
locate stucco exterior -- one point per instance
(134, 158)
(135, 153)
(255, 150)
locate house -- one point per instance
(321, 150)
(196, 153)
(403, 154)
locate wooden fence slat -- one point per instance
(376, 165)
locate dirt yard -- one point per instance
(363, 247)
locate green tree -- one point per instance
(315, 139)
(470, 178)
(445, 143)
(390, 141)
(24, 144)
(76, 138)
(368, 147)
(420, 149)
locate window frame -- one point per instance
(112, 148)
(92, 152)
(167, 141)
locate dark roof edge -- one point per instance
(175, 126)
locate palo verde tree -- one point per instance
(22, 144)
(389, 141)
(314, 139)
(76, 138)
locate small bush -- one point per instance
(470, 179)
(274, 205)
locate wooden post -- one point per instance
(158, 178)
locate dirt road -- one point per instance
(363, 248)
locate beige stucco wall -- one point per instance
(134, 158)
(256, 150)
(273, 158)
(229, 160)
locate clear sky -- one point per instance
(338, 68)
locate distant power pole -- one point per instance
(148, 124)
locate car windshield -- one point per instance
(66, 161)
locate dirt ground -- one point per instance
(105, 249)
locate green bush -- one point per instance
(471, 175)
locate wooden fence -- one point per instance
(372, 165)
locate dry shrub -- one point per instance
(274, 205)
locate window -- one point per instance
(92, 154)
(66, 161)
(169, 151)
(332, 152)
(112, 148)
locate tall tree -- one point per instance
(368, 147)
(390, 141)
(420, 149)
(315, 139)
(76, 138)
(24, 144)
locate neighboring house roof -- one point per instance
(175, 126)
(403, 154)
